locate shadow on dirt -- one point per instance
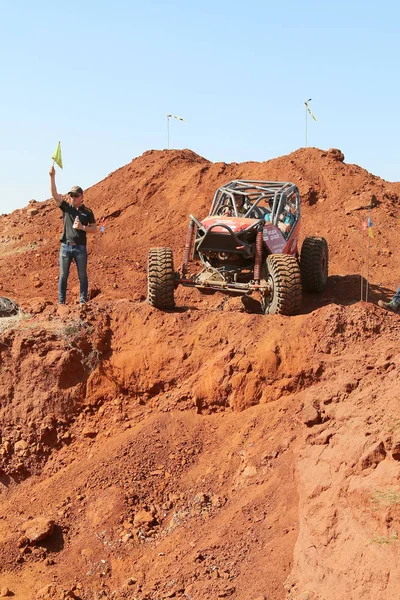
(344, 290)
(55, 543)
(5, 479)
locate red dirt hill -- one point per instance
(204, 453)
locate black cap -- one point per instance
(76, 191)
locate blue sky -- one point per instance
(102, 76)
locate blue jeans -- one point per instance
(67, 255)
(396, 297)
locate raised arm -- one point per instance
(57, 197)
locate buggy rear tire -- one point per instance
(283, 276)
(161, 278)
(314, 259)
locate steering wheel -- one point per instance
(226, 205)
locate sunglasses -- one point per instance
(76, 195)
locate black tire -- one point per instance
(314, 264)
(8, 307)
(161, 278)
(283, 276)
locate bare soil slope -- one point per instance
(208, 452)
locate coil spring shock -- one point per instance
(188, 246)
(258, 258)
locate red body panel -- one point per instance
(272, 235)
(237, 224)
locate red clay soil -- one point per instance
(207, 452)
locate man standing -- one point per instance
(78, 220)
(393, 304)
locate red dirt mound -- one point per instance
(147, 203)
(207, 452)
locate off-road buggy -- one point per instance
(248, 243)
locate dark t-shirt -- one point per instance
(69, 213)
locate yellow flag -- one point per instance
(57, 156)
(370, 232)
(308, 108)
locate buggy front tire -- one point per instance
(161, 278)
(284, 282)
(314, 266)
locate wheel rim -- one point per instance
(266, 299)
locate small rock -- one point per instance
(250, 472)
(7, 446)
(311, 416)
(131, 581)
(38, 529)
(373, 456)
(396, 448)
(32, 212)
(322, 439)
(48, 591)
(143, 517)
(89, 432)
(4, 592)
(156, 472)
(218, 501)
(23, 541)
(336, 154)
(21, 447)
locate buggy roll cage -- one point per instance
(278, 192)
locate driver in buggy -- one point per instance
(242, 205)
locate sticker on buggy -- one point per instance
(273, 239)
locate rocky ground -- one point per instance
(210, 452)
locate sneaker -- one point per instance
(393, 306)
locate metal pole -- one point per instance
(168, 130)
(306, 107)
(306, 125)
(367, 281)
(369, 245)
(362, 256)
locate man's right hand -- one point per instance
(52, 171)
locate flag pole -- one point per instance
(362, 256)
(168, 130)
(305, 106)
(367, 278)
(306, 125)
(368, 249)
